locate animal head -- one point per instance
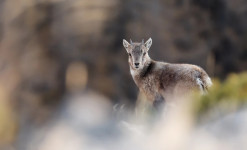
(138, 53)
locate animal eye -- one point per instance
(129, 54)
(144, 53)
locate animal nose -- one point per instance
(137, 64)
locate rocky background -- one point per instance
(50, 49)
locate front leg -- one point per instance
(159, 102)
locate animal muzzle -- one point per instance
(137, 65)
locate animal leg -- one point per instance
(159, 102)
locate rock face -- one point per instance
(39, 40)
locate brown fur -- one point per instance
(160, 79)
(169, 79)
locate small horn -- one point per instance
(142, 41)
(130, 41)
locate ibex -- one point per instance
(160, 80)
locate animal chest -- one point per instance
(148, 85)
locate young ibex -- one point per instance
(161, 81)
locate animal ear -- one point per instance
(148, 43)
(125, 44)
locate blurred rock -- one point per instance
(76, 77)
(8, 119)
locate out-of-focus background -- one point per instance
(64, 71)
